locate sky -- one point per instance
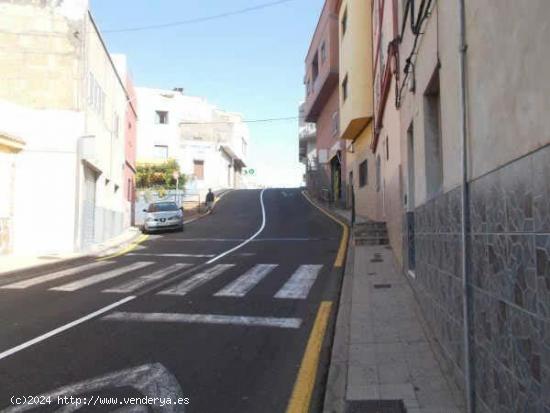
(251, 63)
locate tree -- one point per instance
(158, 175)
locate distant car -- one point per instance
(163, 215)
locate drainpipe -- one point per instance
(466, 300)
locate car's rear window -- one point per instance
(163, 206)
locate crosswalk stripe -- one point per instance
(196, 280)
(85, 282)
(55, 275)
(300, 282)
(247, 281)
(279, 322)
(139, 282)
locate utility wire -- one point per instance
(198, 19)
(242, 121)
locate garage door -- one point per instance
(88, 207)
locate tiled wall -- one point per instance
(509, 242)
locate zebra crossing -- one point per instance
(296, 285)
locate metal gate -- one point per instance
(88, 208)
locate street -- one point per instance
(220, 314)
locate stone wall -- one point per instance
(509, 241)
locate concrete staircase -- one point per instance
(370, 233)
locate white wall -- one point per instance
(45, 181)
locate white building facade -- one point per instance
(61, 95)
(209, 144)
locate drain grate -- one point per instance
(375, 406)
(382, 285)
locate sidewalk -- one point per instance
(11, 263)
(383, 360)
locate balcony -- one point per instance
(307, 132)
(322, 63)
(88, 152)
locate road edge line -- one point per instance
(342, 249)
(132, 246)
(304, 385)
(242, 244)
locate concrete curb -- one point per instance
(335, 388)
(335, 384)
(115, 243)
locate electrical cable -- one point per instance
(243, 121)
(197, 19)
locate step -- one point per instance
(371, 233)
(372, 241)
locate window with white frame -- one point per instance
(161, 152)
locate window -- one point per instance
(315, 67)
(345, 88)
(387, 149)
(96, 96)
(323, 53)
(363, 173)
(163, 207)
(129, 194)
(198, 169)
(335, 123)
(161, 117)
(432, 136)
(344, 22)
(161, 152)
(244, 146)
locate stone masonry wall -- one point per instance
(509, 241)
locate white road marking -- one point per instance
(300, 282)
(85, 282)
(139, 282)
(196, 280)
(151, 380)
(171, 255)
(202, 239)
(247, 281)
(206, 319)
(242, 244)
(65, 327)
(55, 275)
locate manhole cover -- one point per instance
(375, 406)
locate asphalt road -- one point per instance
(201, 315)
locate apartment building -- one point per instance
(386, 143)
(491, 259)
(322, 104)
(307, 150)
(61, 95)
(210, 145)
(130, 139)
(356, 104)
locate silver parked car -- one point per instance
(163, 215)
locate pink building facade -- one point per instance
(130, 132)
(322, 103)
